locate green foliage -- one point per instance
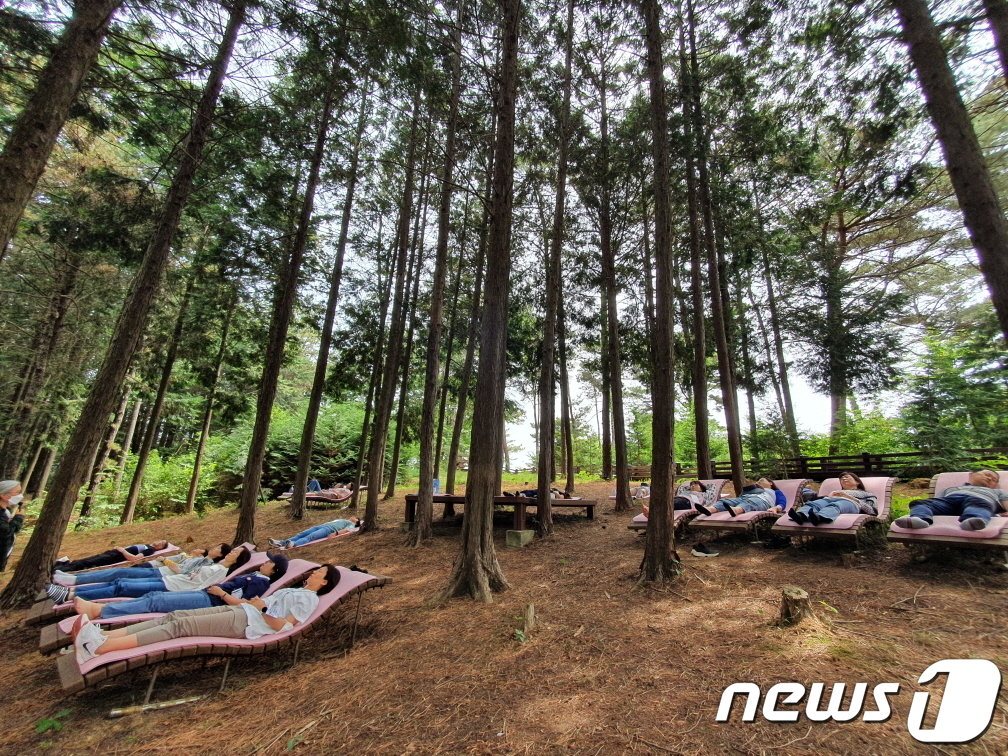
(52, 723)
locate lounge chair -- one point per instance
(316, 542)
(681, 516)
(45, 610)
(946, 531)
(755, 522)
(852, 527)
(75, 677)
(159, 554)
(56, 636)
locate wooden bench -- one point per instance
(521, 505)
(639, 472)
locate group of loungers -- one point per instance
(156, 604)
(961, 508)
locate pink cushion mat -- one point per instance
(349, 581)
(948, 525)
(843, 522)
(880, 486)
(316, 542)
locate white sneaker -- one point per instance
(64, 578)
(89, 640)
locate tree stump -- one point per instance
(795, 605)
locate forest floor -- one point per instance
(610, 667)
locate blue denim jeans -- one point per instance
(963, 505)
(830, 507)
(312, 534)
(124, 587)
(115, 573)
(159, 601)
(748, 502)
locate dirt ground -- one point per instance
(609, 668)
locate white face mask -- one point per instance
(15, 500)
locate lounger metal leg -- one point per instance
(150, 687)
(297, 650)
(353, 633)
(227, 667)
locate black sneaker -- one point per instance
(60, 594)
(702, 550)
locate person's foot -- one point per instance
(88, 641)
(275, 543)
(60, 594)
(973, 523)
(909, 521)
(701, 550)
(815, 518)
(63, 578)
(63, 559)
(91, 609)
(78, 623)
(355, 568)
(703, 509)
(798, 516)
(288, 544)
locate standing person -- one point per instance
(11, 518)
(975, 503)
(852, 498)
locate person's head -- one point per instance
(850, 481)
(158, 545)
(323, 579)
(219, 551)
(696, 485)
(235, 558)
(275, 567)
(985, 478)
(765, 482)
(10, 491)
(356, 521)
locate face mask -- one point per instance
(15, 500)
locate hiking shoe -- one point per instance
(703, 509)
(63, 578)
(275, 543)
(800, 517)
(908, 521)
(60, 594)
(815, 519)
(973, 523)
(288, 544)
(702, 550)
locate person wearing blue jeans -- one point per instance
(148, 570)
(852, 498)
(761, 497)
(316, 532)
(245, 587)
(974, 503)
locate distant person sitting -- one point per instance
(317, 533)
(852, 498)
(231, 592)
(761, 496)
(135, 553)
(975, 503)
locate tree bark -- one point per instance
(98, 471)
(547, 368)
(41, 550)
(971, 179)
(566, 429)
(155, 417)
(997, 17)
(383, 408)
(660, 561)
(297, 504)
(277, 340)
(607, 465)
(476, 572)
(423, 526)
(34, 133)
(124, 453)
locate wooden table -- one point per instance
(520, 503)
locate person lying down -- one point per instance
(251, 619)
(317, 533)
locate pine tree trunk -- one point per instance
(607, 465)
(547, 368)
(566, 429)
(968, 170)
(476, 572)
(41, 551)
(719, 319)
(297, 503)
(98, 471)
(997, 17)
(386, 396)
(280, 322)
(660, 561)
(423, 526)
(155, 417)
(125, 451)
(208, 406)
(34, 133)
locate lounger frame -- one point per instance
(755, 523)
(862, 529)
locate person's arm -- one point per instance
(173, 567)
(227, 598)
(129, 556)
(276, 623)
